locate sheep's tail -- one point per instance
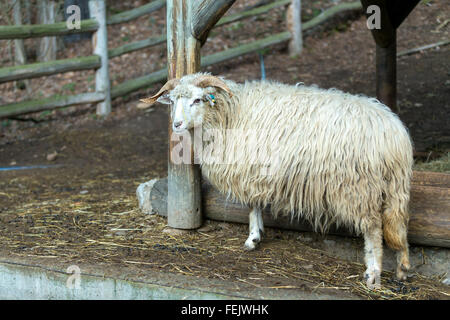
(395, 216)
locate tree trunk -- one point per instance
(47, 45)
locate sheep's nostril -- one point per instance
(178, 124)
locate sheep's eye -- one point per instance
(196, 101)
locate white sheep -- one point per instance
(340, 158)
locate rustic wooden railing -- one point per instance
(99, 60)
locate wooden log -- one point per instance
(48, 68)
(251, 12)
(97, 8)
(429, 209)
(136, 12)
(137, 45)
(58, 101)
(206, 14)
(183, 57)
(45, 30)
(132, 85)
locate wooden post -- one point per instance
(188, 23)
(386, 73)
(183, 55)
(97, 9)
(294, 24)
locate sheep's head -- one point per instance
(190, 97)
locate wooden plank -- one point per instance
(53, 102)
(40, 69)
(97, 9)
(429, 210)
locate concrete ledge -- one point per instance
(20, 281)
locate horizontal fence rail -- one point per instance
(40, 69)
(57, 101)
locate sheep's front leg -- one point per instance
(256, 227)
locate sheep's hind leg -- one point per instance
(373, 245)
(256, 227)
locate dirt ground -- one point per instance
(85, 209)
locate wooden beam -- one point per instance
(205, 15)
(40, 69)
(429, 209)
(58, 101)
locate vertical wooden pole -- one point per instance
(386, 73)
(294, 23)
(97, 9)
(184, 180)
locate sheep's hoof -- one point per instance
(251, 243)
(373, 277)
(249, 247)
(402, 272)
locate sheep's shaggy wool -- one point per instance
(333, 157)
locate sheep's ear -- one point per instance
(166, 88)
(165, 99)
(211, 81)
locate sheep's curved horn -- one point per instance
(211, 81)
(167, 87)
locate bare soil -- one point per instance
(86, 210)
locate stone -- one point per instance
(143, 196)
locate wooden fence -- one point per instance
(99, 60)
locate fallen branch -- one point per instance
(428, 46)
